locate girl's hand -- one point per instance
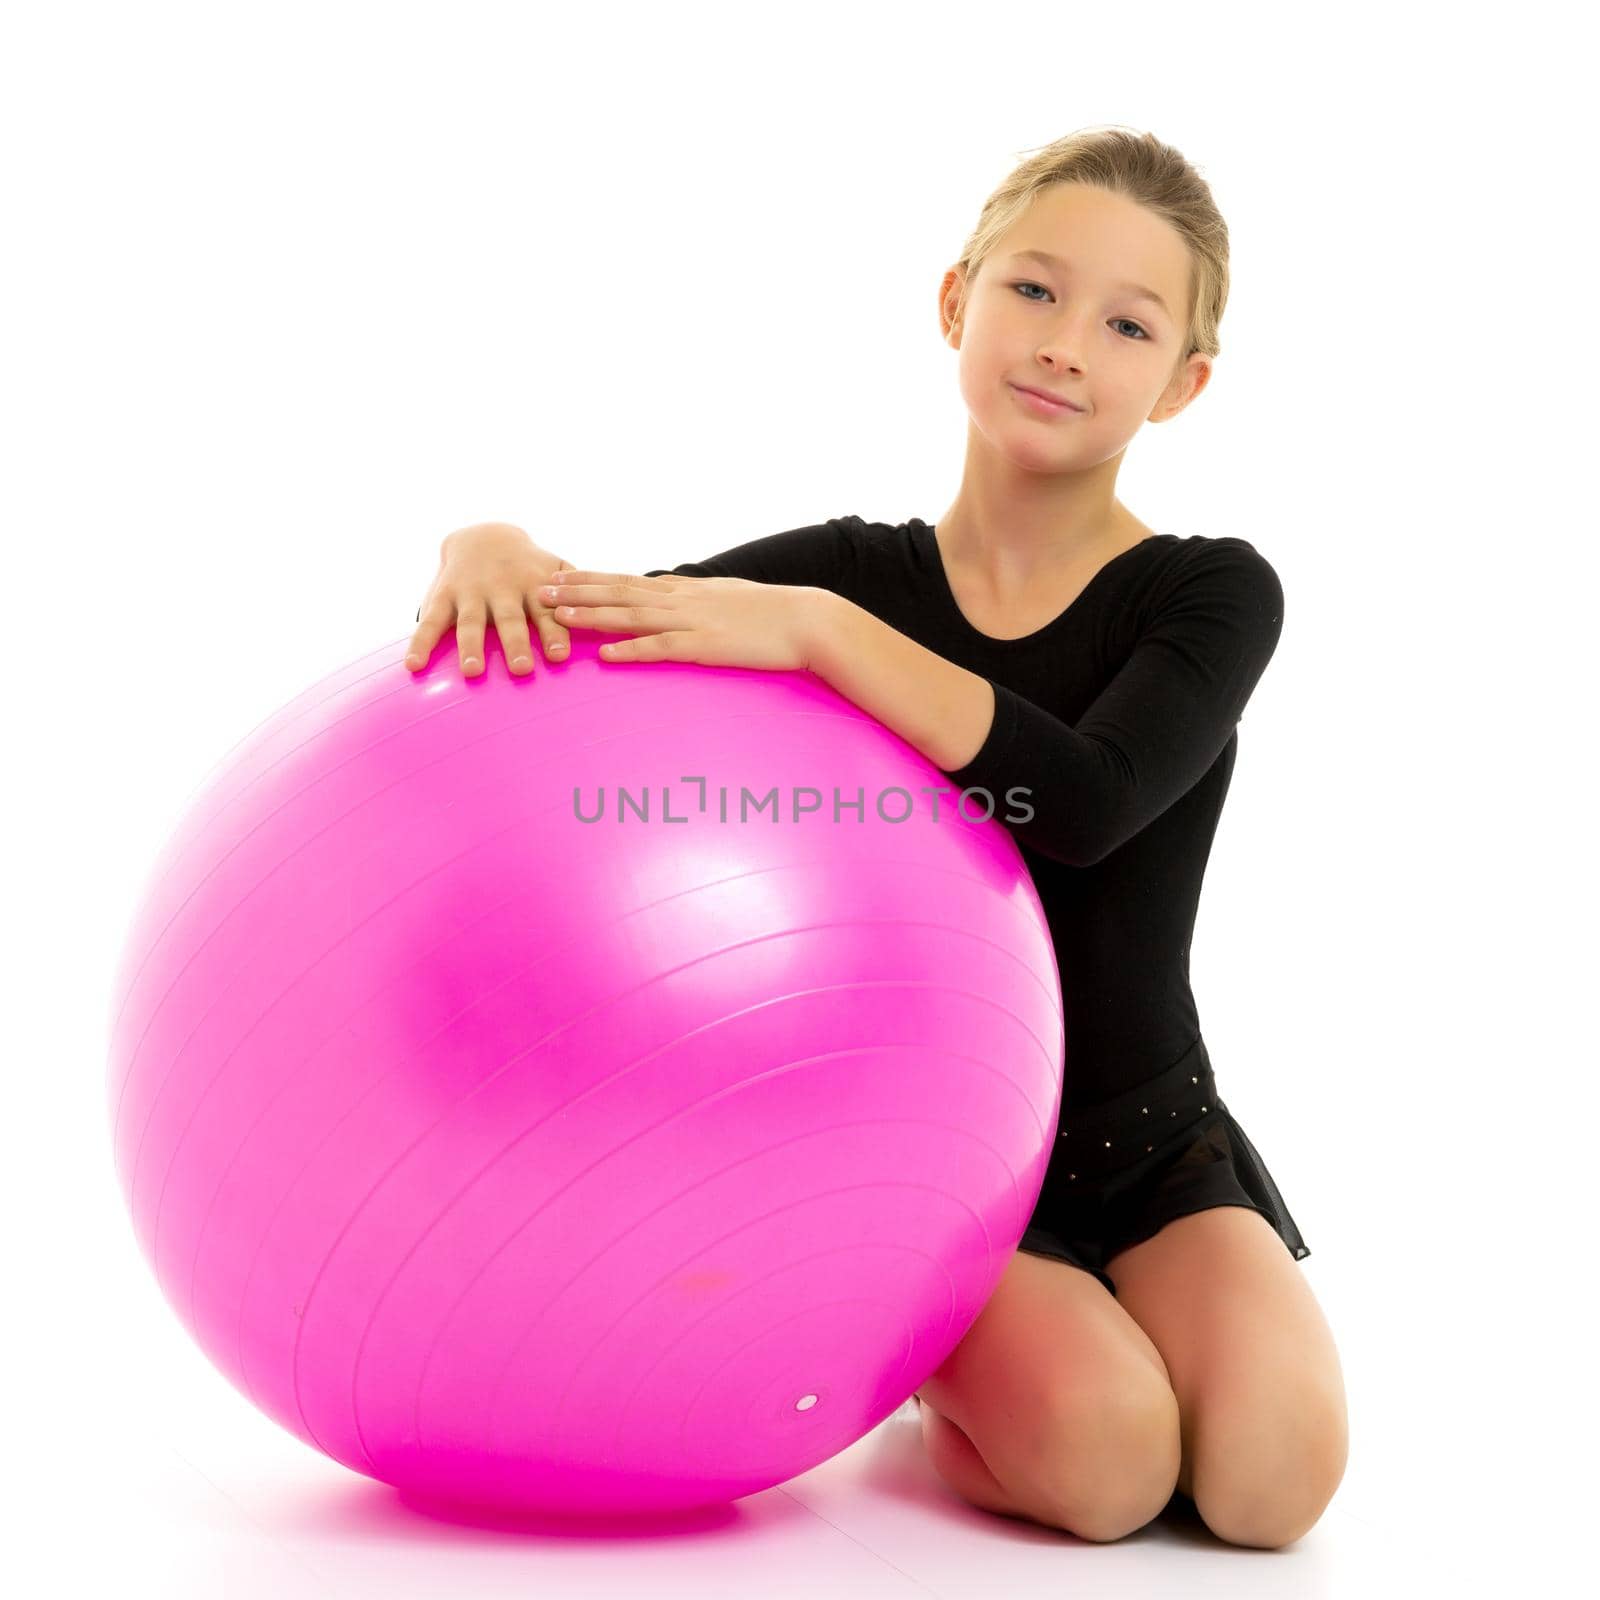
(718, 622)
(490, 569)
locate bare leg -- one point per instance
(956, 1459)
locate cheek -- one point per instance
(969, 380)
(989, 405)
(981, 372)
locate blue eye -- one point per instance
(1024, 284)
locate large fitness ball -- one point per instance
(528, 1094)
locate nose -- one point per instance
(1058, 356)
(1062, 344)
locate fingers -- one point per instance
(469, 638)
(427, 635)
(579, 599)
(552, 636)
(470, 617)
(635, 580)
(511, 623)
(587, 590)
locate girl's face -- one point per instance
(1085, 297)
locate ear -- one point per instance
(1186, 383)
(949, 295)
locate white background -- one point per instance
(291, 291)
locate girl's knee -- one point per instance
(1110, 1465)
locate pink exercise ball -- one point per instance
(525, 1155)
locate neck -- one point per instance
(1010, 525)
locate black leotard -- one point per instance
(1119, 716)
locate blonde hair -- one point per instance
(1144, 169)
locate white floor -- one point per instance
(237, 1507)
(874, 1521)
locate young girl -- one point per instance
(1153, 1331)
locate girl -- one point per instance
(1153, 1331)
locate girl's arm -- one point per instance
(1148, 738)
(941, 709)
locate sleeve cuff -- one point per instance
(983, 771)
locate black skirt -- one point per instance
(1122, 1170)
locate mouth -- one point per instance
(1048, 404)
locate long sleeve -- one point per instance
(1154, 730)
(821, 555)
